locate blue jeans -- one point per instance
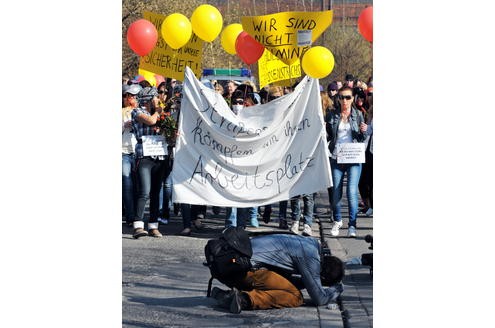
(166, 191)
(149, 175)
(309, 203)
(128, 192)
(282, 210)
(353, 175)
(236, 217)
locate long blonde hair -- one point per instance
(326, 102)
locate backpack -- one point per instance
(228, 256)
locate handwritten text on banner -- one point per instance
(267, 153)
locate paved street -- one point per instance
(164, 281)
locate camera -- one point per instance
(367, 258)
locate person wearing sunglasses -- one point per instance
(163, 94)
(150, 169)
(345, 124)
(129, 103)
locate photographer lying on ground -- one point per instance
(271, 284)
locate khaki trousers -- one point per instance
(268, 289)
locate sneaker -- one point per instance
(369, 212)
(185, 232)
(163, 220)
(139, 232)
(282, 224)
(197, 223)
(295, 227)
(155, 233)
(307, 231)
(351, 232)
(335, 228)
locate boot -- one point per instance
(223, 297)
(240, 301)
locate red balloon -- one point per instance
(142, 36)
(365, 23)
(248, 49)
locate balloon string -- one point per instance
(290, 77)
(212, 55)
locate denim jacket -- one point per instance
(332, 121)
(294, 254)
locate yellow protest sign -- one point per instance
(271, 69)
(287, 35)
(169, 62)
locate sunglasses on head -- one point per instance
(341, 97)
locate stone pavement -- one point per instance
(164, 281)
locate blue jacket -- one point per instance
(294, 254)
(332, 121)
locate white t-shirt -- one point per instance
(344, 135)
(128, 138)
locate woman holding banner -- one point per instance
(345, 127)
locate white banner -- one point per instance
(266, 154)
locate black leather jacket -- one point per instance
(332, 121)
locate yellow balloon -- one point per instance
(228, 37)
(318, 62)
(176, 30)
(207, 22)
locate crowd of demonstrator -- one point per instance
(348, 111)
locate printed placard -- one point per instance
(154, 145)
(169, 62)
(351, 152)
(304, 38)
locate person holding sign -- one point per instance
(346, 132)
(151, 151)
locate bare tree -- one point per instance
(352, 53)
